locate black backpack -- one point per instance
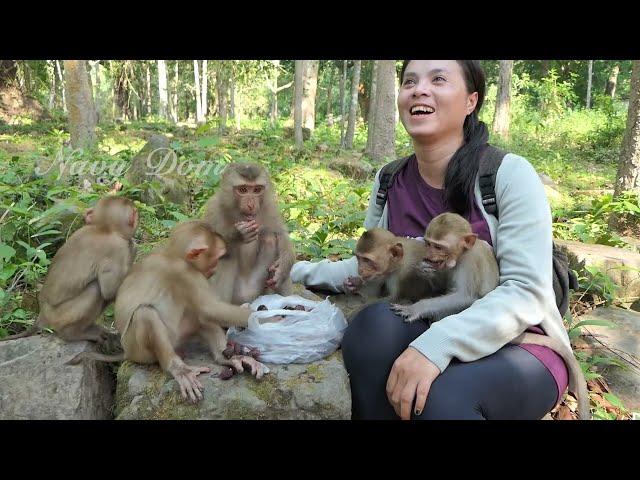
(563, 277)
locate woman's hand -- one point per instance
(411, 377)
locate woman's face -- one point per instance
(433, 101)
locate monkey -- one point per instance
(86, 271)
(393, 265)
(259, 252)
(166, 299)
(473, 272)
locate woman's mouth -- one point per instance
(421, 110)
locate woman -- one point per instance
(461, 367)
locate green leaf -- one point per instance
(6, 252)
(601, 323)
(615, 401)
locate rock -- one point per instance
(289, 132)
(35, 384)
(319, 390)
(147, 168)
(624, 339)
(623, 266)
(353, 167)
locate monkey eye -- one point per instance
(258, 189)
(242, 189)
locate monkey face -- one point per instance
(439, 255)
(368, 267)
(249, 199)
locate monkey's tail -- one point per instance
(577, 382)
(100, 357)
(32, 330)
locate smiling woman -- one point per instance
(459, 368)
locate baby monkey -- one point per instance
(393, 265)
(472, 272)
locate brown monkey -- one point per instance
(393, 265)
(166, 299)
(473, 272)
(259, 252)
(86, 272)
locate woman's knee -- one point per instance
(377, 331)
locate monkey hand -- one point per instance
(186, 377)
(409, 312)
(274, 277)
(248, 230)
(352, 284)
(257, 369)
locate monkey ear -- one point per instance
(195, 251)
(397, 251)
(470, 240)
(88, 216)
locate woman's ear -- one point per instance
(472, 101)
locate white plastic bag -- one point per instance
(302, 337)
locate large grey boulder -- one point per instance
(35, 383)
(623, 266)
(319, 390)
(622, 343)
(156, 169)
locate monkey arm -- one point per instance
(435, 308)
(110, 277)
(224, 314)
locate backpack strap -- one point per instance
(387, 175)
(490, 161)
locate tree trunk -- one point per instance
(232, 98)
(372, 109)
(501, 118)
(196, 77)
(628, 177)
(222, 84)
(353, 107)
(329, 115)
(309, 89)
(343, 81)
(52, 91)
(610, 89)
(97, 97)
(589, 80)
(205, 87)
(273, 115)
(148, 99)
(62, 88)
(174, 96)
(162, 87)
(383, 139)
(297, 104)
(82, 115)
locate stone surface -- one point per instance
(623, 266)
(319, 390)
(621, 342)
(35, 384)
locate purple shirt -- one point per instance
(412, 203)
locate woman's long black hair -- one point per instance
(461, 172)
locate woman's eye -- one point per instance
(408, 82)
(439, 78)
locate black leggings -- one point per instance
(509, 384)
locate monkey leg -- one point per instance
(74, 320)
(216, 339)
(148, 339)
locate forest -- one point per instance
(71, 130)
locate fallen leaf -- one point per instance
(564, 413)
